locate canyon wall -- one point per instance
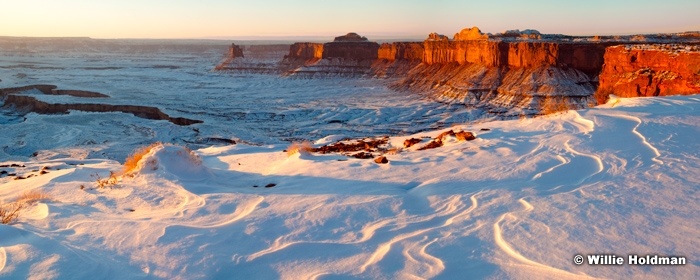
(650, 70)
(351, 50)
(516, 71)
(410, 51)
(587, 57)
(507, 76)
(350, 55)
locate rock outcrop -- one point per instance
(350, 55)
(351, 47)
(650, 70)
(33, 105)
(262, 59)
(235, 51)
(467, 34)
(12, 98)
(301, 55)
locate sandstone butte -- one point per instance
(523, 69)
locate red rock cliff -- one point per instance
(516, 69)
(587, 57)
(305, 51)
(412, 51)
(650, 70)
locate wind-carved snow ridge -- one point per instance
(519, 201)
(451, 207)
(631, 124)
(413, 232)
(537, 268)
(3, 258)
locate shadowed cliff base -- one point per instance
(25, 103)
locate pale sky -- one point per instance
(401, 18)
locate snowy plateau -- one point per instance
(520, 201)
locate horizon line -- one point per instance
(382, 36)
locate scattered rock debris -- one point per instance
(381, 160)
(371, 148)
(465, 136)
(12, 165)
(362, 155)
(410, 142)
(367, 145)
(438, 141)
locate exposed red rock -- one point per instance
(305, 51)
(411, 51)
(650, 70)
(352, 146)
(381, 160)
(520, 70)
(464, 136)
(436, 143)
(473, 33)
(398, 58)
(410, 142)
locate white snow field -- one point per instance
(520, 201)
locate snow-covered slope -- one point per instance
(518, 202)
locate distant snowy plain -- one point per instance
(520, 201)
(261, 109)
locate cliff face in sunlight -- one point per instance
(516, 71)
(350, 55)
(410, 51)
(305, 51)
(651, 70)
(507, 72)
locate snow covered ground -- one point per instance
(258, 109)
(518, 202)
